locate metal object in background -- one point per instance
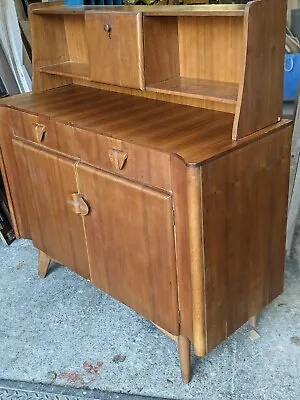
(295, 22)
(7, 234)
(11, 390)
(294, 189)
(9, 84)
(3, 91)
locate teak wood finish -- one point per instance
(151, 159)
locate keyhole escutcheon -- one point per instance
(107, 29)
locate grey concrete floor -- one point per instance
(63, 331)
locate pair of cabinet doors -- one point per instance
(106, 228)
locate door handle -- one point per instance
(40, 132)
(79, 204)
(118, 158)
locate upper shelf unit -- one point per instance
(226, 58)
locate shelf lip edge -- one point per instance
(214, 99)
(177, 10)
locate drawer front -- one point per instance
(115, 44)
(44, 131)
(132, 161)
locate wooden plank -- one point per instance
(200, 88)
(197, 264)
(183, 257)
(213, 10)
(69, 68)
(211, 48)
(260, 94)
(245, 208)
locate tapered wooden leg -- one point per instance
(252, 321)
(44, 262)
(184, 348)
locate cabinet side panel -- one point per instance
(10, 175)
(245, 206)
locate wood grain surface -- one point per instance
(161, 49)
(183, 255)
(116, 57)
(47, 182)
(211, 48)
(141, 164)
(260, 94)
(47, 31)
(198, 88)
(56, 135)
(244, 220)
(196, 135)
(130, 242)
(71, 69)
(158, 10)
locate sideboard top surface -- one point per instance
(196, 135)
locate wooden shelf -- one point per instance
(204, 10)
(69, 68)
(200, 88)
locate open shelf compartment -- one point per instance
(188, 56)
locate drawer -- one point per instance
(44, 131)
(115, 43)
(126, 159)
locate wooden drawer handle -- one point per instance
(40, 132)
(118, 158)
(79, 204)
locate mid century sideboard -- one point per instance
(151, 159)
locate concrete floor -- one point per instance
(63, 331)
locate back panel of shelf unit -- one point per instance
(209, 48)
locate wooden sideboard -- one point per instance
(151, 159)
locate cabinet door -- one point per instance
(130, 239)
(47, 182)
(116, 48)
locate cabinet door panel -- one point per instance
(46, 182)
(131, 244)
(116, 48)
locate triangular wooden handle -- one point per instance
(40, 131)
(118, 158)
(79, 204)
